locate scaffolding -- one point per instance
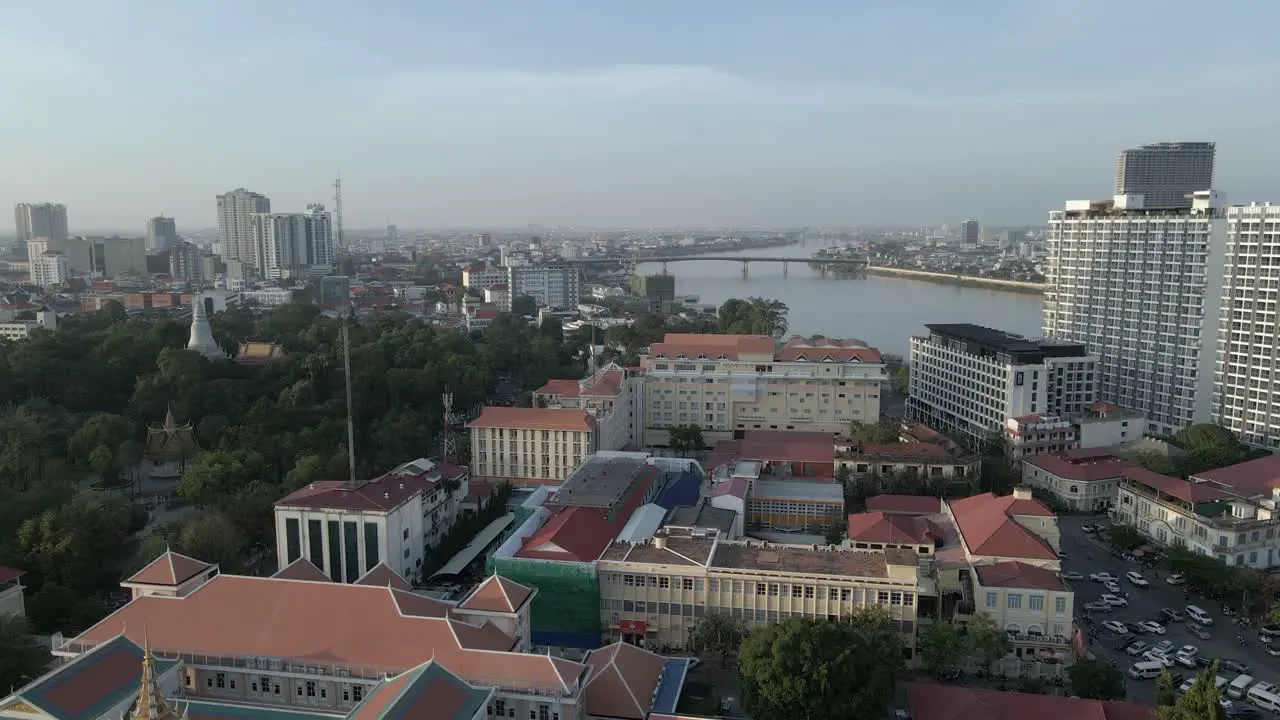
(566, 611)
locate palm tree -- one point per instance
(768, 316)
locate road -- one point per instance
(1145, 605)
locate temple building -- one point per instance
(169, 448)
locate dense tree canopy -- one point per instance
(1096, 679)
(821, 669)
(754, 316)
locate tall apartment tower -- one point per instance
(1246, 392)
(162, 233)
(235, 224)
(41, 220)
(293, 244)
(1165, 174)
(970, 232)
(1141, 287)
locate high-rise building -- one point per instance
(1246, 392)
(49, 269)
(162, 233)
(107, 256)
(1165, 174)
(393, 235)
(970, 232)
(41, 220)
(185, 262)
(235, 224)
(970, 379)
(552, 287)
(293, 244)
(1140, 286)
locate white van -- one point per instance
(1263, 695)
(1199, 615)
(1145, 670)
(1239, 687)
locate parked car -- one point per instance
(1186, 661)
(1071, 575)
(1090, 528)
(1152, 627)
(1101, 577)
(1116, 627)
(1157, 656)
(1171, 614)
(1234, 666)
(1176, 579)
(1125, 642)
(1164, 646)
(1198, 631)
(1111, 586)
(1137, 648)
(1097, 606)
(1136, 578)
(1135, 627)
(1115, 600)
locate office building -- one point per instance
(41, 220)
(393, 235)
(1141, 288)
(1165, 174)
(347, 529)
(162, 234)
(613, 395)
(482, 278)
(531, 446)
(550, 287)
(235, 225)
(659, 290)
(291, 245)
(106, 257)
(49, 269)
(186, 262)
(1246, 393)
(970, 232)
(969, 379)
(728, 384)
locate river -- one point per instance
(882, 311)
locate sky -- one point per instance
(629, 114)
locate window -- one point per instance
(357, 692)
(1015, 601)
(882, 597)
(895, 598)
(335, 551)
(991, 599)
(686, 583)
(664, 582)
(315, 542)
(1060, 605)
(628, 580)
(760, 588)
(293, 539)
(908, 599)
(311, 688)
(1035, 602)
(808, 591)
(797, 591)
(220, 680)
(371, 545)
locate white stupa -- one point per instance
(201, 339)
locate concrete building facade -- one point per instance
(50, 269)
(531, 446)
(1165, 174)
(235, 225)
(41, 220)
(553, 287)
(162, 234)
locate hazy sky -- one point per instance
(629, 113)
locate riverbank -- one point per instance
(1015, 286)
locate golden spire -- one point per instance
(151, 704)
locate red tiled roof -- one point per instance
(170, 569)
(485, 313)
(567, 419)
(954, 702)
(429, 691)
(1082, 469)
(904, 450)
(577, 534)
(607, 384)
(7, 574)
(877, 527)
(1251, 478)
(497, 594)
(563, 388)
(301, 569)
(776, 446)
(382, 576)
(693, 345)
(736, 487)
(818, 348)
(623, 680)
(904, 504)
(987, 526)
(385, 492)
(1012, 574)
(1192, 492)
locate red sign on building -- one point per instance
(632, 627)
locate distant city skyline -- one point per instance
(574, 113)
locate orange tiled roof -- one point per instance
(170, 568)
(301, 569)
(497, 594)
(986, 524)
(563, 388)
(623, 680)
(712, 347)
(382, 576)
(904, 504)
(878, 527)
(953, 702)
(567, 419)
(1013, 574)
(819, 348)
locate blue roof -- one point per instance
(667, 696)
(684, 489)
(92, 683)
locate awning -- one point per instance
(463, 558)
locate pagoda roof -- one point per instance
(171, 441)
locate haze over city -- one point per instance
(640, 115)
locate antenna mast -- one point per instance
(449, 445)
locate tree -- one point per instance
(1209, 446)
(821, 669)
(76, 544)
(1097, 680)
(685, 439)
(22, 657)
(835, 532)
(1201, 702)
(901, 381)
(943, 646)
(104, 430)
(1166, 694)
(1155, 461)
(213, 538)
(718, 633)
(218, 473)
(878, 433)
(987, 640)
(1125, 537)
(754, 316)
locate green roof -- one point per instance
(92, 683)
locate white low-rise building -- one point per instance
(1080, 480)
(347, 529)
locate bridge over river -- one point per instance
(631, 261)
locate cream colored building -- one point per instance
(657, 591)
(1031, 603)
(728, 384)
(530, 446)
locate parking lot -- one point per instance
(1085, 556)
